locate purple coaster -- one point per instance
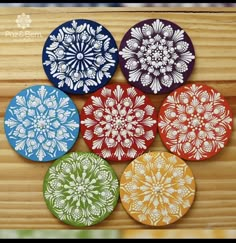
(156, 56)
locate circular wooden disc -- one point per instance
(156, 56)
(118, 122)
(81, 189)
(80, 56)
(195, 122)
(42, 123)
(157, 188)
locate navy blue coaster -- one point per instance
(80, 56)
(41, 123)
(156, 56)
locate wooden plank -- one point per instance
(14, 10)
(213, 32)
(179, 234)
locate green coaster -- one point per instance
(81, 189)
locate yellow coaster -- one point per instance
(157, 188)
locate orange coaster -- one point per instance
(157, 188)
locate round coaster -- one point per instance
(41, 123)
(156, 56)
(157, 188)
(195, 122)
(80, 56)
(118, 122)
(81, 189)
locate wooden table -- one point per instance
(213, 32)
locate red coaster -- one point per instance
(118, 122)
(195, 122)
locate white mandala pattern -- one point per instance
(156, 55)
(195, 123)
(157, 188)
(81, 189)
(80, 56)
(41, 123)
(119, 123)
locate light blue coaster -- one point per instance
(80, 56)
(42, 123)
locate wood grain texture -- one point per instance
(213, 32)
